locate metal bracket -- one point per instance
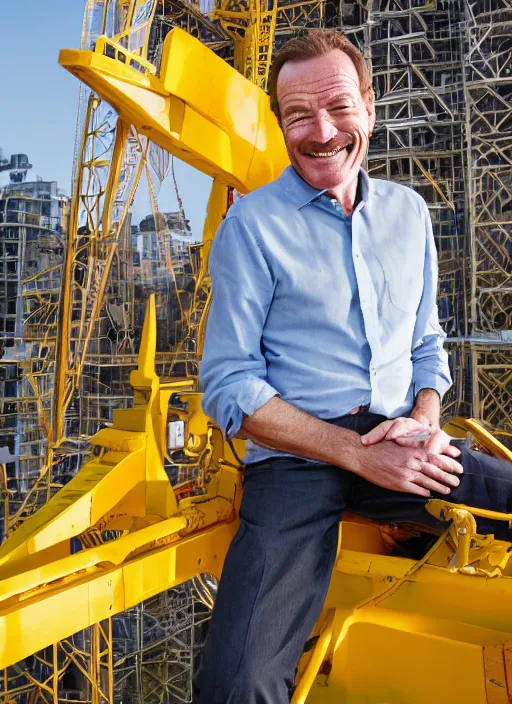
(475, 554)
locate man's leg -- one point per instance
(485, 483)
(274, 582)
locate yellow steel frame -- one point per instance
(252, 31)
(124, 488)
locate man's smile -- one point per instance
(331, 152)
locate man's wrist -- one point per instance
(346, 451)
(427, 408)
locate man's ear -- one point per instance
(369, 101)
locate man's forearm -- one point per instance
(280, 426)
(428, 405)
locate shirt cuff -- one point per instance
(253, 394)
(431, 380)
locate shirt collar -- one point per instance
(300, 193)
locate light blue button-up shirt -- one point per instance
(327, 311)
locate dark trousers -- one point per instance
(278, 568)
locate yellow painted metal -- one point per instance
(252, 27)
(73, 338)
(406, 631)
(199, 108)
(215, 211)
(125, 488)
(312, 668)
(459, 427)
(130, 459)
(50, 612)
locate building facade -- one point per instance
(33, 220)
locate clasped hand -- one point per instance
(395, 460)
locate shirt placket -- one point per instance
(366, 298)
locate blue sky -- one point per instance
(39, 99)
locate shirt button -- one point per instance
(358, 256)
(374, 371)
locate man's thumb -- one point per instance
(377, 434)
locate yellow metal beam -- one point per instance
(461, 426)
(31, 621)
(199, 108)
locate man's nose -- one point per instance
(324, 128)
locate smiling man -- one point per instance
(324, 350)
(326, 109)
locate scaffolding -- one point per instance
(488, 93)
(417, 55)
(442, 78)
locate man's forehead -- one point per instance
(318, 74)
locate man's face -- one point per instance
(325, 121)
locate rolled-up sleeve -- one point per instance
(233, 368)
(429, 358)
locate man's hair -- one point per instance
(312, 43)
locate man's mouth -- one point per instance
(331, 152)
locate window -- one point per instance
(11, 388)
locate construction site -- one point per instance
(77, 272)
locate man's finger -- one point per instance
(405, 441)
(431, 484)
(451, 480)
(377, 434)
(452, 451)
(403, 427)
(446, 463)
(438, 442)
(411, 488)
(435, 443)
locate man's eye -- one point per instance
(340, 107)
